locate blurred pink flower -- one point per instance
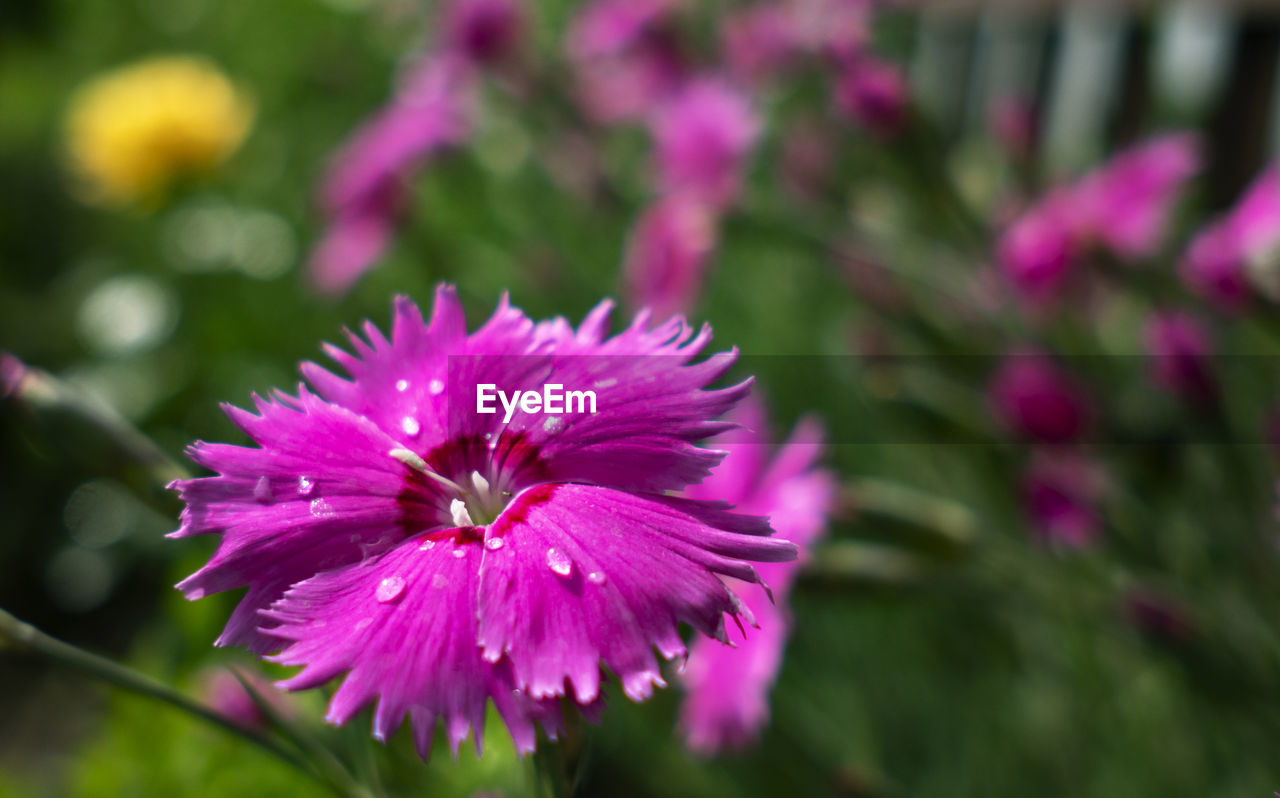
(668, 253)
(1217, 261)
(362, 191)
(1125, 204)
(874, 93)
(759, 41)
(12, 371)
(1035, 399)
(1061, 491)
(702, 137)
(623, 58)
(727, 699)
(224, 693)
(483, 31)
(1012, 122)
(1037, 251)
(1181, 347)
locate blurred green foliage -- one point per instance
(989, 667)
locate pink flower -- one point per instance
(1036, 253)
(1035, 399)
(702, 137)
(440, 557)
(361, 193)
(225, 694)
(759, 41)
(1125, 204)
(483, 31)
(624, 60)
(12, 372)
(874, 93)
(668, 254)
(1181, 347)
(727, 703)
(1217, 263)
(1061, 491)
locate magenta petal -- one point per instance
(402, 628)
(320, 492)
(585, 575)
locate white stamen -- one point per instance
(415, 462)
(482, 484)
(458, 509)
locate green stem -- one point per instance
(26, 638)
(44, 393)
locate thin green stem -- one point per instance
(24, 637)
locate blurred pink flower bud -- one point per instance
(224, 693)
(1035, 399)
(1181, 347)
(1061, 491)
(1013, 125)
(1217, 263)
(874, 93)
(1037, 251)
(625, 61)
(759, 41)
(668, 254)
(1125, 204)
(702, 139)
(483, 31)
(12, 371)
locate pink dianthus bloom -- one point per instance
(1036, 400)
(441, 557)
(727, 701)
(1217, 262)
(624, 60)
(874, 93)
(363, 189)
(1125, 204)
(702, 138)
(1061, 491)
(668, 254)
(1182, 348)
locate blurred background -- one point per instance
(1053, 567)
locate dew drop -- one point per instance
(609, 383)
(436, 387)
(559, 562)
(321, 508)
(459, 553)
(553, 423)
(410, 426)
(596, 578)
(493, 544)
(262, 491)
(439, 581)
(389, 589)
(427, 545)
(402, 385)
(305, 486)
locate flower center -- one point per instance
(474, 504)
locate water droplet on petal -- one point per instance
(596, 578)
(321, 508)
(436, 387)
(559, 562)
(553, 423)
(305, 486)
(410, 426)
(262, 491)
(402, 385)
(427, 545)
(363, 623)
(459, 553)
(439, 581)
(389, 589)
(493, 544)
(607, 383)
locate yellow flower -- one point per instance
(133, 132)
